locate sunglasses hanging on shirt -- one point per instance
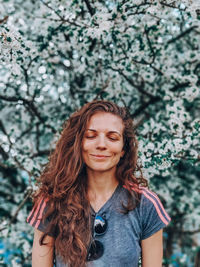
(96, 248)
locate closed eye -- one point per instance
(113, 138)
(90, 137)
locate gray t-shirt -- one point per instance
(122, 239)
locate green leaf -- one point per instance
(8, 39)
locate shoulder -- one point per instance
(147, 196)
(155, 204)
(38, 210)
(151, 205)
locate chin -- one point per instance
(101, 169)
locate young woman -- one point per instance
(90, 209)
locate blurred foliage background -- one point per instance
(57, 55)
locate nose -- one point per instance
(101, 143)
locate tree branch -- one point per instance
(190, 232)
(24, 132)
(26, 79)
(131, 82)
(146, 31)
(4, 19)
(142, 108)
(5, 132)
(61, 18)
(90, 9)
(3, 153)
(179, 86)
(182, 34)
(138, 6)
(29, 192)
(40, 153)
(172, 5)
(31, 105)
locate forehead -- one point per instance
(104, 121)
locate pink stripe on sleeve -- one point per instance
(156, 207)
(152, 193)
(40, 215)
(30, 214)
(35, 211)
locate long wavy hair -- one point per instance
(64, 182)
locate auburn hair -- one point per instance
(64, 182)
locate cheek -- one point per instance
(86, 146)
(118, 149)
(84, 153)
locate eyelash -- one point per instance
(91, 137)
(113, 139)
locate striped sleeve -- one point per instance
(36, 215)
(154, 216)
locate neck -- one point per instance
(101, 183)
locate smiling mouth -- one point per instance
(99, 156)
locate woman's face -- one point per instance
(102, 145)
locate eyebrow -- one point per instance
(110, 132)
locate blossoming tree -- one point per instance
(56, 56)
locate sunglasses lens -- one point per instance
(96, 248)
(95, 251)
(100, 225)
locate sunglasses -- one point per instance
(96, 248)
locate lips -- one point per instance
(99, 156)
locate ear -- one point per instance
(122, 154)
